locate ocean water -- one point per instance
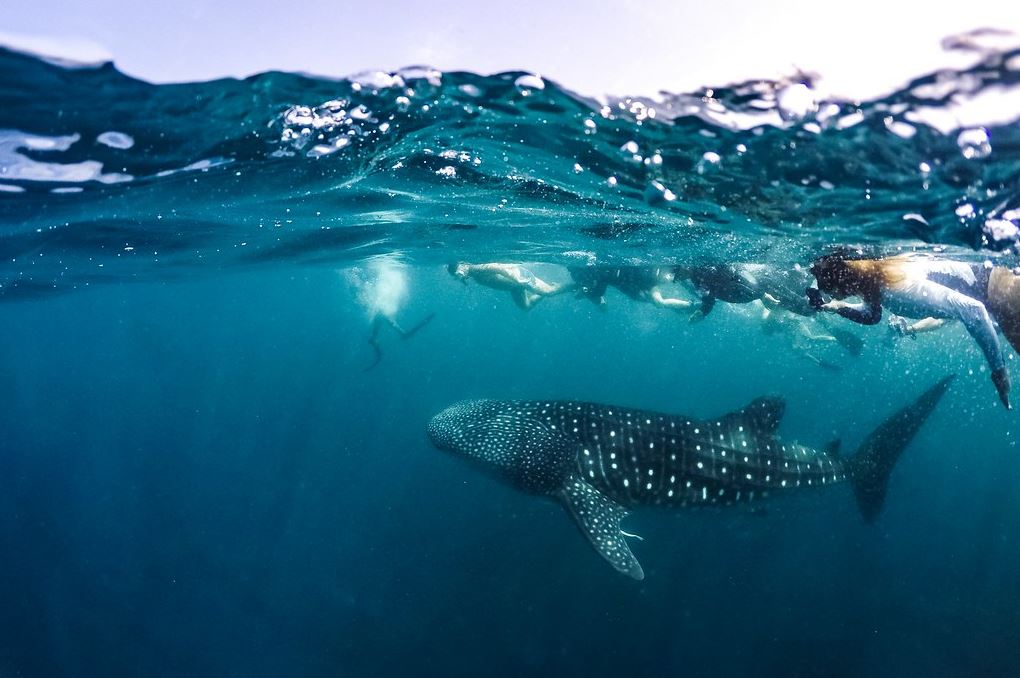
(198, 476)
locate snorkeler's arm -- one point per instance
(509, 271)
(546, 289)
(561, 287)
(668, 302)
(925, 325)
(867, 312)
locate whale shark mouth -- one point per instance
(447, 430)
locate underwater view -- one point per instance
(435, 373)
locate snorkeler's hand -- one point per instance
(1000, 378)
(814, 296)
(833, 305)
(898, 327)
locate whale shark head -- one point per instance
(508, 439)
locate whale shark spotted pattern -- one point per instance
(601, 460)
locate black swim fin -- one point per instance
(407, 334)
(378, 355)
(707, 304)
(850, 342)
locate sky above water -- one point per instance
(862, 49)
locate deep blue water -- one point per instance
(197, 476)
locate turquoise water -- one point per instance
(198, 476)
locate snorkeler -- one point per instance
(640, 283)
(525, 287)
(383, 319)
(921, 287)
(743, 283)
(732, 283)
(781, 293)
(382, 286)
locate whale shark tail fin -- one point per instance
(870, 468)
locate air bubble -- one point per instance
(1001, 230)
(526, 83)
(657, 192)
(974, 143)
(116, 140)
(796, 102)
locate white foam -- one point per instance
(381, 285)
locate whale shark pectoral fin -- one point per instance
(599, 518)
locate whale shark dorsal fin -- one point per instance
(833, 449)
(599, 519)
(761, 414)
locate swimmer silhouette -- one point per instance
(382, 320)
(525, 288)
(382, 287)
(639, 283)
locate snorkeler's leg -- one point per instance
(547, 289)
(520, 297)
(808, 333)
(373, 341)
(974, 316)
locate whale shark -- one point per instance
(600, 461)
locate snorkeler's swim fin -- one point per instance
(850, 342)
(378, 354)
(373, 340)
(870, 468)
(407, 334)
(824, 364)
(707, 304)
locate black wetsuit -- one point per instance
(743, 283)
(636, 282)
